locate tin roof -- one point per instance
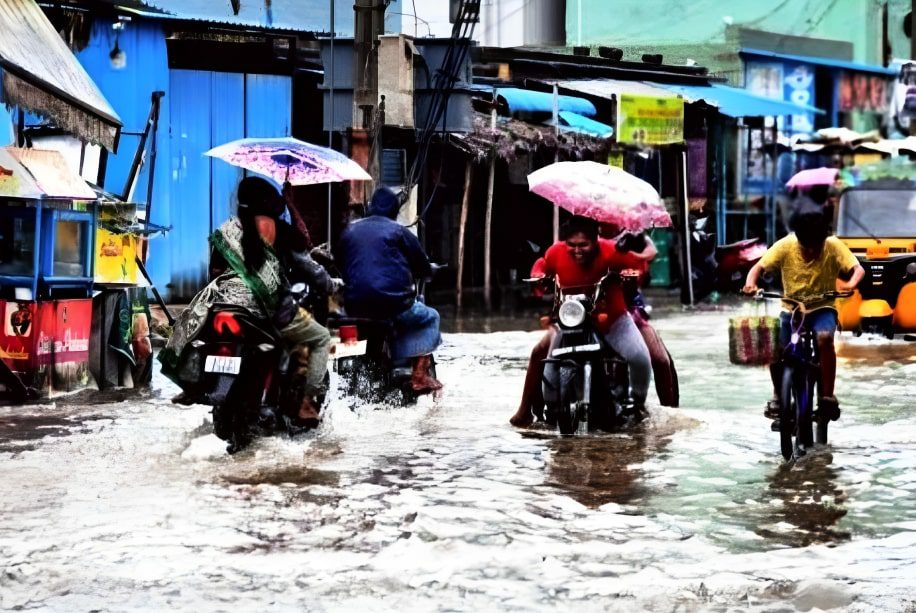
(288, 15)
(41, 74)
(37, 174)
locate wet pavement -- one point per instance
(133, 504)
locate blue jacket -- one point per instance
(379, 260)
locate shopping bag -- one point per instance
(753, 339)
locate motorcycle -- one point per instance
(363, 361)
(721, 268)
(586, 384)
(240, 367)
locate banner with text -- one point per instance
(649, 120)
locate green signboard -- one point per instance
(649, 120)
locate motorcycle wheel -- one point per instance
(568, 413)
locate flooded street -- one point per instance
(444, 506)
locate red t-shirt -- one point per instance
(558, 262)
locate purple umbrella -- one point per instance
(290, 159)
(812, 177)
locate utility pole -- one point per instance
(369, 24)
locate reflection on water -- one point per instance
(604, 468)
(811, 500)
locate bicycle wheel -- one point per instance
(787, 412)
(804, 404)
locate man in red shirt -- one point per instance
(581, 259)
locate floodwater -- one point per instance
(133, 504)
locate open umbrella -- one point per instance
(290, 159)
(605, 193)
(812, 177)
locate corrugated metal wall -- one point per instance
(129, 91)
(209, 109)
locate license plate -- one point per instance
(348, 350)
(227, 365)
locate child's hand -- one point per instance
(844, 286)
(750, 290)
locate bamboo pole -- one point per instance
(465, 200)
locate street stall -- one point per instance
(47, 227)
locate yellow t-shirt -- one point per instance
(801, 279)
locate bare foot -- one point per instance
(522, 419)
(425, 384)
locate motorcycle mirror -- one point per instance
(911, 268)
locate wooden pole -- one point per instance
(465, 200)
(488, 219)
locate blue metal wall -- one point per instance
(209, 109)
(129, 90)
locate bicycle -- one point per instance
(800, 371)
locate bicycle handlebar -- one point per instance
(801, 302)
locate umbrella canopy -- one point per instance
(290, 159)
(605, 193)
(813, 176)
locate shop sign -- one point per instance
(862, 92)
(650, 120)
(798, 83)
(115, 252)
(791, 81)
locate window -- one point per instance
(17, 242)
(70, 249)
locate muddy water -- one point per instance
(443, 506)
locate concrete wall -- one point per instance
(700, 26)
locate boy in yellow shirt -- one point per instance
(810, 263)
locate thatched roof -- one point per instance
(513, 137)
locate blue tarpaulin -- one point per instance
(581, 124)
(737, 102)
(527, 101)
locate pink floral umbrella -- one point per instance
(812, 177)
(290, 159)
(605, 193)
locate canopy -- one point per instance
(737, 102)
(41, 75)
(584, 125)
(823, 61)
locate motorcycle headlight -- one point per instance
(571, 313)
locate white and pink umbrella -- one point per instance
(601, 192)
(290, 159)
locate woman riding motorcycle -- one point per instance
(253, 254)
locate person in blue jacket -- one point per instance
(380, 260)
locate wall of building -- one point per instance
(503, 23)
(700, 26)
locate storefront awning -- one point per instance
(41, 74)
(822, 61)
(737, 102)
(35, 174)
(528, 101)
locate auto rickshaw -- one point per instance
(877, 221)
